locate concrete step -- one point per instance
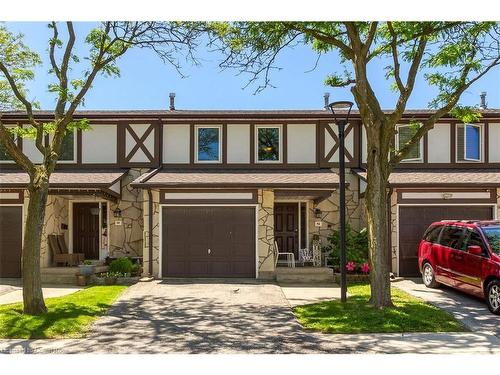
(64, 275)
(304, 275)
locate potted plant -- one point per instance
(86, 268)
(111, 277)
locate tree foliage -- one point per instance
(449, 56)
(106, 44)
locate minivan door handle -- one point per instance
(457, 256)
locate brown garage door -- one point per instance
(208, 242)
(11, 232)
(414, 220)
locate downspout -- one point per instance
(150, 243)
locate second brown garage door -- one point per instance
(208, 241)
(414, 220)
(11, 232)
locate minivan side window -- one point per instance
(452, 237)
(474, 239)
(432, 233)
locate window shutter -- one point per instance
(405, 133)
(460, 143)
(67, 152)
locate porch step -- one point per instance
(304, 275)
(64, 275)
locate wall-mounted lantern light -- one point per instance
(317, 213)
(117, 212)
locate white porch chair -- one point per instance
(290, 257)
(316, 254)
(305, 255)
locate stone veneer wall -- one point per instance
(330, 217)
(265, 233)
(56, 213)
(498, 204)
(394, 231)
(265, 230)
(126, 239)
(156, 232)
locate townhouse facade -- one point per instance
(208, 193)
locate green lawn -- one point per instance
(410, 314)
(67, 317)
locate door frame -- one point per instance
(70, 223)
(299, 221)
(160, 229)
(23, 219)
(494, 207)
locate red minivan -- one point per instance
(464, 255)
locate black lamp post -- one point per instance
(341, 112)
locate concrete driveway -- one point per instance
(197, 316)
(470, 311)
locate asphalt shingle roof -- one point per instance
(255, 178)
(412, 177)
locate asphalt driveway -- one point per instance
(196, 316)
(470, 311)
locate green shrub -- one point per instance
(136, 269)
(356, 246)
(121, 265)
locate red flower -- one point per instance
(365, 268)
(350, 266)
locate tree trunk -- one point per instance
(378, 222)
(32, 285)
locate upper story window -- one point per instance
(4, 156)
(68, 148)
(268, 144)
(403, 136)
(469, 143)
(208, 144)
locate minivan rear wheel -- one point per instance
(493, 296)
(428, 276)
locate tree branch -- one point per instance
(14, 152)
(63, 75)
(454, 97)
(52, 54)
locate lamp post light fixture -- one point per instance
(341, 111)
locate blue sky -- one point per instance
(146, 81)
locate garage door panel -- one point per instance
(413, 222)
(11, 223)
(229, 232)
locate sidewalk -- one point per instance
(413, 343)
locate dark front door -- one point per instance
(11, 237)
(286, 227)
(208, 242)
(86, 229)
(414, 220)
